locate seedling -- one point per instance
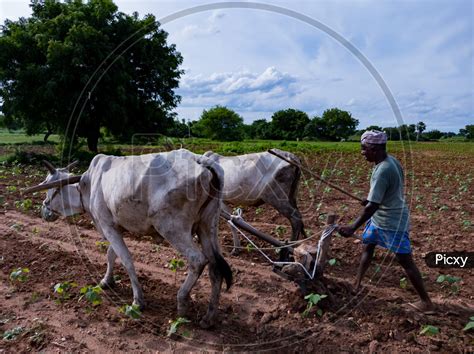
(280, 230)
(174, 325)
(24, 205)
(332, 261)
(17, 227)
(175, 264)
(449, 281)
(12, 189)
(62, 289)
(92, 294)
(403, 283)
(250, 248)
(102, 246)
(313, 300)
(12, 333)
(429, 330)
(19, 275)
(132, 311)
(470, 324)
(258, 211)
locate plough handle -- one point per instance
(273, 152)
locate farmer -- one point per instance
(387, 216)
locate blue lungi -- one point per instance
(395, 241)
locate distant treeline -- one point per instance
(222, 123)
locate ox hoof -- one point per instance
(107, 284)
(140, 304)
(206, 323)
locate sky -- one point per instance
(257, 62)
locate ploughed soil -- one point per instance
(262, 311)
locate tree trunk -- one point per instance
(46, 136)
(93, 137)
(48, 133)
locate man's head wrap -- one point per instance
(373, 137)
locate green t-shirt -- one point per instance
(386, 189)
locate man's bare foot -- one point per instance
(423, 306)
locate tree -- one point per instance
(392, 133)
(260, 129)
(315, 129)
(220, 123)
(467, 131)
(433, 134)
(338, 124)
(373, 127)
(288, 124)
(420, 128)
(82, 66)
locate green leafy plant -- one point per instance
(403, 283)
(102, 246)
(12, 189)
(280, 230)
(19, 275)
(258, 211)
(332, 261)
(250, 248)
(470, 324)
(24, 205)
(175, 264)
(313, 300)
(62, 290)
(429, 330)
(450, 282)
(92, 294)
(132, 311)
(12, 333)
(174, 325)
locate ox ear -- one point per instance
(54, 184)
(49, 166)
(71, 165)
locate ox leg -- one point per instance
(216, 281)
(108, 280)
(295, 218)
(121, 250)
(184, 244)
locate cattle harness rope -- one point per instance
(326, 233)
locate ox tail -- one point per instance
(296, 180)
(215, 196)
(294, 186)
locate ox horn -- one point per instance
(49, 185)
(71, 165)
(49, 166)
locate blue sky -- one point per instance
(257, 62)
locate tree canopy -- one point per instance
(220, 123)
(289, 124)
(74, 67)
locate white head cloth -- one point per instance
(373, 137)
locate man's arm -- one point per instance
(367, 213)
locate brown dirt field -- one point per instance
(261, 312)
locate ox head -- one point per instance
(63, 195)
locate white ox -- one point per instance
(173, 195)
(255, 179)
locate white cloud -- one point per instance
(257, 62)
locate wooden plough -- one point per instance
(298, 261)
